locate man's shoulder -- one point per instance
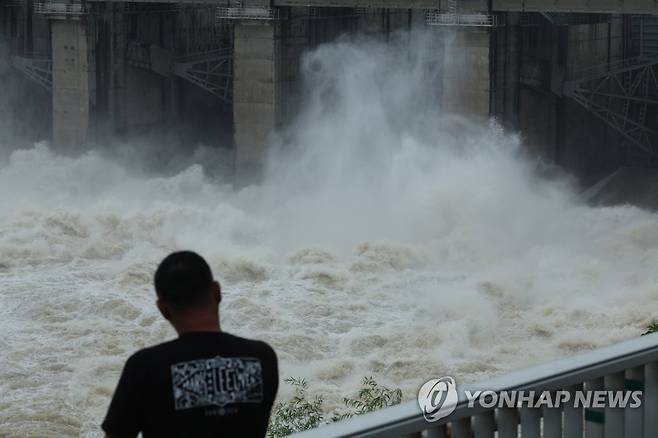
(257, 346)
(148, 353)
(244, 345)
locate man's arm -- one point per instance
(123, 419)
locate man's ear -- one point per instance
(217, 291)
(164, 310)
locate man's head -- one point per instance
(185, 288)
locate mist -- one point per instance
(388, 239)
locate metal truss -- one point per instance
(213, 73)
(533, 19)
(620, 95)
(60, 7)
(39, 70)
(573, 19)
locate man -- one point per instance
(206, 383)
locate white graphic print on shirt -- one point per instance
(217, 381)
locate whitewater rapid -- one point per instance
(386, 241)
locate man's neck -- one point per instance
(198, 323)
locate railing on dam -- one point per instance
(436, 18)
(59, 7)
(631, 366)
(237, 13)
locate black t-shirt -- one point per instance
(203, 384)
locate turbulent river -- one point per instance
(387, 240)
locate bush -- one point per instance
(296, 414)
(651, 328)
(371, 397)
(299, 413)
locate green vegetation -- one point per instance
(371, 397)
(651, 328)
(296, 414)
(301, 413)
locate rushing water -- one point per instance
(388, 240)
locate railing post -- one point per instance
(552, 422)
(614, 417)
(437, 432)
(484, 425)
(594, 417)
(651, 400)
(462, 428)
(634, 420)
(530, 423)
(508, 423)
(573, 417)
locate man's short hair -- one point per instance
(183, 279)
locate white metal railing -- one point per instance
(437, 18)
(265, 14)
(631, 365)
(61, 7)
(452, 7)
(320, 13)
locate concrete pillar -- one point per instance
(254, 103)
(73, 83)
(507, 72)
(117, 69)
(4, 40)
(466, 77)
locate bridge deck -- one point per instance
(588, 6)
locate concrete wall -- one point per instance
(267, 87)
(25, 108)
(253, 96)
(293, 39)
(538, 106)
(596, 6)
(589, 147)
(73, 83)
(506, 59)
(556, 128)
(5, 39)
(482, 71)
(466, 78)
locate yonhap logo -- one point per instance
(438, 398)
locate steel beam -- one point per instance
(585, 6)
(619, 94)
(213, 73)
(39, 70)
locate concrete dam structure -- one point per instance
(577, 79)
